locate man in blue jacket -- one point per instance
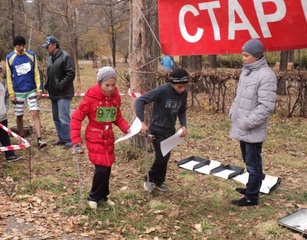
(23, 81)
(60, 77)
(167, 63)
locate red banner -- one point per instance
(197, 27)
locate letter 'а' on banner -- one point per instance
(197, 27)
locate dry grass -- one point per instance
(197, 207)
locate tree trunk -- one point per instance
(142, 76)
(291, 56)
(11, 17)
(283, 60)
(281, 84)
(212, 59)
(191, 63)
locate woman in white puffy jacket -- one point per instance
(253, 105)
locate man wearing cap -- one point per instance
(253, 105)
(60, 77)
(169, 103)
(23, 81)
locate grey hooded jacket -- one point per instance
(254, 102)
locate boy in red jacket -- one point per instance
(101, 105)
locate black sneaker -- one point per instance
(162, 187)
(13, 158)
(67, 146)
(241, 190)
(243, 202)
(57, 142)
(41, 144)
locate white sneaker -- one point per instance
(149, 186)
(92, 204)
(110, 203)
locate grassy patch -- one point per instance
(197, 206)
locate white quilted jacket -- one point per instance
(254, 102)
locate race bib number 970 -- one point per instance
(106, 114)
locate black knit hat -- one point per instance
(179, 75)
(19, 40)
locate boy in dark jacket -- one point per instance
(170, 101)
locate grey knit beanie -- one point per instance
(254, 47)
(105, 73)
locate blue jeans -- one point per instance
(251, 154)
(61, 118)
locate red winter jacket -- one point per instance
(101, 111)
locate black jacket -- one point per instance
(168, 106)
(60, 76)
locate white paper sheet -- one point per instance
(206, 169)
(267, 183)
(168, 144)
(189, 165)
(242, 178)
(224, 174)
(135, 128)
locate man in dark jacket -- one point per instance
(60, 77)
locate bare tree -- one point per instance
(143, 61)
(192, 63)
(283, 60)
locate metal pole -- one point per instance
(77, 152)
(30, 168)
(147, 164)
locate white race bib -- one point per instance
(23, 69)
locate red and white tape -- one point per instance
(77, 94)
(135, 95)
(24, 142)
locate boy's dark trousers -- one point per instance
(158, 170)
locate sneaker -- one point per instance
(58, 142)
(241, 190)
(92, 204)
(163, 187)
(243, 202)
(110, 202)
(13, 158)
(149, 186)
(67, 146)
(41, 144)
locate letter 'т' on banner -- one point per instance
(197, 27)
